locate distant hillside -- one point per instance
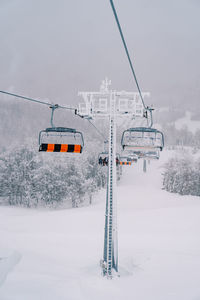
(179, 117)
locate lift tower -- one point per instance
(112, 105)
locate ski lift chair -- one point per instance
(142, 140)
(61, 139)
(152, 155)
(103, 158)
(124, 160)
(132, 157)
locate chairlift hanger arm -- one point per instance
(150, 110)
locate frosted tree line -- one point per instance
(181, 137)
(182, 175)
(29, 178)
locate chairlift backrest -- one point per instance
(61, 139)
(129, 163)
(124, 159)
(142, 137)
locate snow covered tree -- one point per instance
(16, 171)
(29, 178)
(182, 175)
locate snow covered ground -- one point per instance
(159, 246)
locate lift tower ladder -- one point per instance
(110, 241)
(111, 104)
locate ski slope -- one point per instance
(58, 252)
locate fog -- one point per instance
(52, 49)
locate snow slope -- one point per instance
(8, 259)
(159, 246)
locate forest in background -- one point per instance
(32, 179)
(182, 174)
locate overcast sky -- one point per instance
(54, 48)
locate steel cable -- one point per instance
(127, 52)
(37, 101)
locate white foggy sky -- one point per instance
(53, 48)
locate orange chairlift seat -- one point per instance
(61, 139)
(126, 160)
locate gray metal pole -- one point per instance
(110, 256)
(106, 230)
(144, 165)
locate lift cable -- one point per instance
(127, 52)
(103, 136)
(53, 106)
(38, 101)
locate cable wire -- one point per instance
(127, 52)
(97, 130)
(37, 101)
